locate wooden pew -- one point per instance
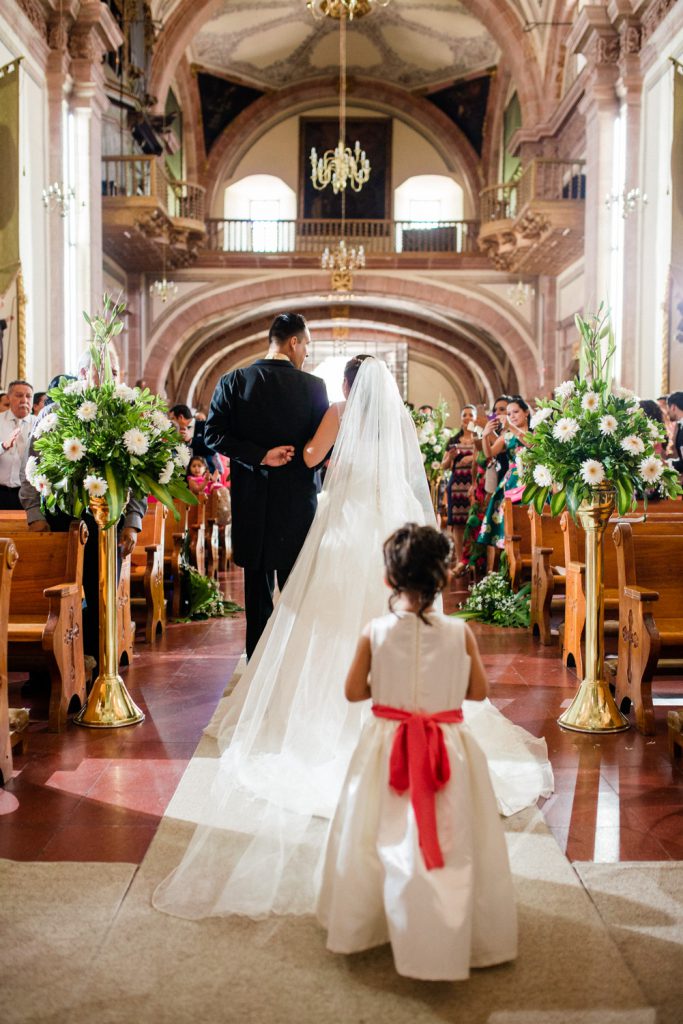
(218, 546)
(649, 557)
(147, 573)
(196, 528)
(517, 542)
(547, 583)
(45, 616)
(174, 539)
(125, 627)
(8, 558)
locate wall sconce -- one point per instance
(58, 196)
(627, 201)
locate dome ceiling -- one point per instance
(415, 44)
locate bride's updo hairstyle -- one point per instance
(416, 558)
(352, 368)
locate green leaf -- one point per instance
(558, 502)
(179, 489)
(529, 493)
(541, 498)
(573, 501)
(115, 495)
(160, 492)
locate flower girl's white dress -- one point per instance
(375, 886)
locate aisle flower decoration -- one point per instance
(591, 434)
(104, 439)
(433, 436)
(494, 601)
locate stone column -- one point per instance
(94, 34)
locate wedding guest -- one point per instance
(199, 478)
(191, 431)
(515, 425)
(654, 412)
(4, 401)
(473, 555)
(428, 873)
(38, 401)
(459, 459)
(675, 410)
(16, 425)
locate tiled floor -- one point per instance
(99, 794)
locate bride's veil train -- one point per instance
(286, 732)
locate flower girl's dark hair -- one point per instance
(416, 558)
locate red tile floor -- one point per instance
(90, 794)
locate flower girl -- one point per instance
(416, 853)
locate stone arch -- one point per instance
(456, 303)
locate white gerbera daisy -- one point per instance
(125, 393)
(31, 468)
(592, 472)
(95, 486)
(42, 484)
(565, 429)
(135, 441)
(651, 469)
(167, 472)
(542, 476)
(87, 412)
(436, 465)
(73, 449)
(590, 401)
(608, 424)
(183, 456)
(539, 416)
(160, 420)
(565, 390)
(633, 444)
(48, 422)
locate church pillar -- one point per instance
(594, 36)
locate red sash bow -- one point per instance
(419, 762)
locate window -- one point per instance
(260, 215)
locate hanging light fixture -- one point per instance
(58, 196)
(520, 293)
(163, 289)
(350, 8)
(342, 261)
(341, 166)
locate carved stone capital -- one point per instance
(34, 13)
(655, 14)
(607, 49)
(631, 38)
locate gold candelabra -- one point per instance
(343, 8)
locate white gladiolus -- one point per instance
(651, 469)
(608, 424)
(95, 486)
(565, 429)
(87, 412)
(592, 472)
(633, 444)
(160, 420)
(31, 468)
(73, 449)
(42, 484)
(75, 387)
(48, 422)
(125, 393)
(135, 441)
(623, 392)
(167, 472)
(590, 401)
(565, 390)
(656, 430)
(539, 416)
(542, 476)
(183, 456)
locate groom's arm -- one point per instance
(219, 432)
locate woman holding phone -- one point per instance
(505, 432)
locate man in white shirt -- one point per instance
(15, 430)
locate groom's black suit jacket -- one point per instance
(264, 405)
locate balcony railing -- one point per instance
(145, 177)
(311, 236)
(542, 180)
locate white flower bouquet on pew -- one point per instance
(592, 435)
(104, 439)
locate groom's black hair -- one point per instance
(284, 327)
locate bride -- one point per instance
(286, 732)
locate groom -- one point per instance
(261, 417)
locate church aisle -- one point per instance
(91, 795)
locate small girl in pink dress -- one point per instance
(416, 854)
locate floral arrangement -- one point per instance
(104, 439)
(433, 436)
(493, 600)
(204, 597)
(591, 434)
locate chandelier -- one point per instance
(58, 196)
(520, 293)
(163, 289)
(342, 261)
(341, 166)
(348, 8)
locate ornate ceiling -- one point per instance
(416, 44)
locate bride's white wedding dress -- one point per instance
(286, 732)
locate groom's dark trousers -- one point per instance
(260, 407)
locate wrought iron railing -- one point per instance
(542, 179)
(311, 236)
(145, 176)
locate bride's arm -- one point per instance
(323, 439)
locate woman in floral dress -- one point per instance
(459, 458)
(515, 424)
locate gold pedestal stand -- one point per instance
(109, 704)
(593, 708)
